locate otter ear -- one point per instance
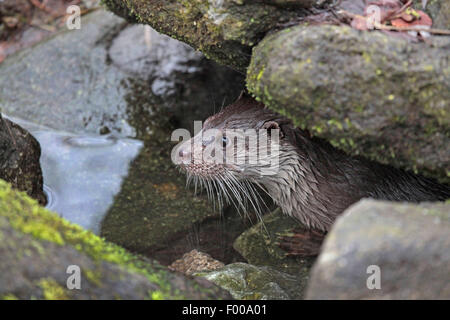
(269, 125)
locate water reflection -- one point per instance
(82, 174)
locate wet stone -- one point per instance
(223, 30)
(249, 282)
(260, 245)
(19, 160)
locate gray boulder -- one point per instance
(406, 245)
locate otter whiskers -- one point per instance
(226, 189)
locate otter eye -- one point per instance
(224, 141)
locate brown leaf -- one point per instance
(424, 20)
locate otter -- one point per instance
(314, 181)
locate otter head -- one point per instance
(237, 148)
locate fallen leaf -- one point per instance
(423, 21)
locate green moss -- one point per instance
(51, 290)
(95, 277)
(25, 215)
(9, 296)
(336, 123)
(259, 76)
(156, 295)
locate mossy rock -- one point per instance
(38, 246)
(248, 282)
(260, 245)
(368, 93)
(19, 159)
(223, 30)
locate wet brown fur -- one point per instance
(317, 181)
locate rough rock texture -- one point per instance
(440, 12)
(37, 246)
(366, 92)
(19, 160)
(249, 282)
(224, 30)
(195, 261)
(409, 243)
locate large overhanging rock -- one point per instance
(385, 250)
(368, 93)
(224, 30)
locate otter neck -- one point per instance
(297, 190)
